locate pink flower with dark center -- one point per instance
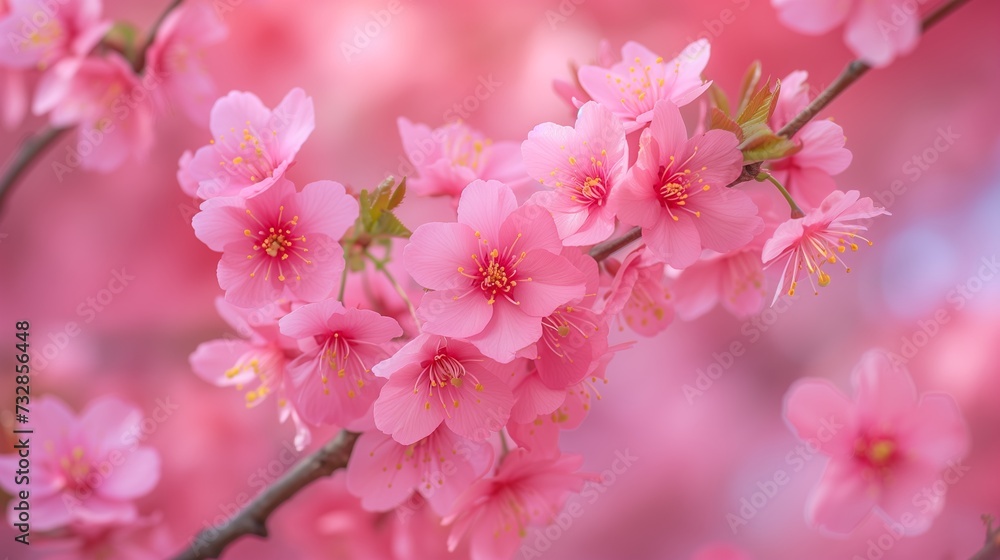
(885, 447)
(808, 173)
(819, 238)
(39, 33)
(69, 481)
(497, 271)
(252, 146)
(434, 380)
(280, 243)
(176, 58)
(632, 87)
(581, 165)
(384, 473)
(332, 381)
(876, 31)
(528, 490)
(450, 157)
(676, 191)
(98, 95)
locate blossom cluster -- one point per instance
(89, 73)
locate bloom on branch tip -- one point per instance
(676, 191)
(885, 447)
(819, 239)
(497, 272)
(251, 145)
(632, 87)
(280, 243)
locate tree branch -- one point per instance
(253, 518)
(750, 171)
(36, 144)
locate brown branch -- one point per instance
(36, 144)
(253, 518)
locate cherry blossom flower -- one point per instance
(676, 191)
(332, 381)
(632, 87)
(808, 173)
(175, 57)
(811, 242)
(876, 31)
(280, 243)
(574, 336)
(639, 294)
(384, 473)
(582, 166)
(884, 447)
(85, 470)
(497, 271)
(572, 93)
(528, 490)
(101, 96)
(258, 359)
(40, 33)
(450, 157)
(433, 380)
(252, 144)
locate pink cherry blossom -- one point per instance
(581, 166)
(808, 173)
(885, 447)
(85, 470)
(433, 380)
(632, 87)
(876, 31)
(572, 93)
(676, 191)
(280, 243)
(332, 381)
(811, 242)
(176, 58)
(251, 146)
(448, 158)
(528, 490)
(101, 96)
(40, 33)
(574, 336)
(257, 360)
(497, 271)
(639, 294)
(384, 473)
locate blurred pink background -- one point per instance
(695, 461)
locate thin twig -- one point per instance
(253, 518)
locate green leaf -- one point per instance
(749, 84)
(389, 224)
(398, 195)
(757, 108)
(767, 146)
(721, 121)
(719, 98)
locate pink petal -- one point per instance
(813, 17)
(326, 208)
(874, 35)
(935, 432)
(910, 491)
(47, 513)
(481, 411)
(380, 473)
(234, 110)
(509, 330)
(401, 409)
(885, 393)
(677, 243)
(447, 314)
(484, 206)
(554, 282)
(107, 421)
(820, 414)
(437, 251)
(842, 498)
(823, 147)
(212, 359)
(534, 398)
(137, 476)
(728, 219)
(668, 129)
(636, 198)
(220, 226)
(242, 289)
(294, 120)
(698, 289)
(530, 227)
(310, 320)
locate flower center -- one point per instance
(246, 156)
(76, 469)
(564, 322)
(278, 243)
(677, 185)
(820, 247)
(467, 151)
(443, 372)
(496, 271)
(265, 366)
(878, 453)
(339, 357)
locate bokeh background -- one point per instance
(696, 459)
